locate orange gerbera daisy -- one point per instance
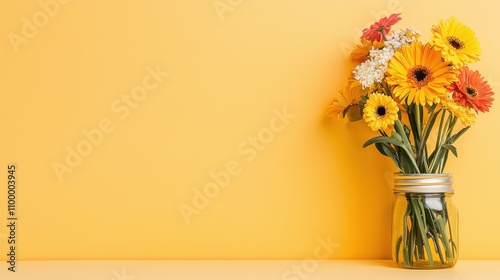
(345, 102)
(379, 29)
(472, 91)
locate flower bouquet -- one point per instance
(421, 98)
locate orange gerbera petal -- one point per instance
(472, 91)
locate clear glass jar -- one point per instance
(424, 221)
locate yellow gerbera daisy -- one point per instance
(380, 112)
(345, 102)
(419, 75)
(456, 42)
(361, 52)
(466, 115)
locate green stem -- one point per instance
(386, 88)
(425, 233)
(441, 122)
(422, 148)
(450, 254)
(444, 237)
(443, 131)
(407, 145)
(422, 226)
(437, 233)
(446, 141)
(383, 34)
(406, 259)
(417, 131)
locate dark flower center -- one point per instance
(455, 42)
(471, 92)
(381, 111)
(420, 76)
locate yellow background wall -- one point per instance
(245, 98)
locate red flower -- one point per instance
(379, 29)
(472, 91)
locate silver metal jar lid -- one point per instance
(423, 183)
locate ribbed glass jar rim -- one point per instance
(423, 183)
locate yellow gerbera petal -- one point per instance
(466, 115)
(380, 112)
(456, 42)
(419, 75)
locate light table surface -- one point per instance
(244, 270)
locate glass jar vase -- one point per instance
(424, 221)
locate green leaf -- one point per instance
(437, 160)
(380, 148)
(406, 145)
(401, 132)
(455, 137)
(451, 148)
(407, 131)
(383, 139)
(406, 163)
(363, 100)
(396, 136)
(387, 150)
